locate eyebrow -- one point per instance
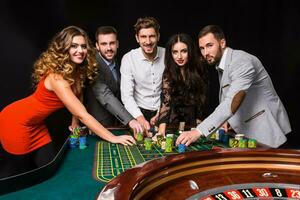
(78, 43)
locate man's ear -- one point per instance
(137, 38)
(117, 43)
(158, 37)
(223, 43)
(97, 46)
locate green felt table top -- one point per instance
(73, 179)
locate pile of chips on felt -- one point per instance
(78, 138)
(234, 141)
(166, 143)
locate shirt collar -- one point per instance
(111, 65)
(221, 65)
(156, 56)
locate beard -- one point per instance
(216, 59)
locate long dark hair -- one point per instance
(192, 89)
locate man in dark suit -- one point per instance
(103, 96)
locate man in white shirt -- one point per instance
(141, 73)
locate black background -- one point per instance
(268, 29)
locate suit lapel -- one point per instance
(224, 78)
(108, 72)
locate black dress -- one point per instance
(179, 104)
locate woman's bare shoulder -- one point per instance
(53, 79)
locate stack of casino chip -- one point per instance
(169, 143)
(223, 136)
(82, 137)
(181, 148)
(82, 142)
(233, 143)
(73, 141)
(213, 136)
(252, 143)
(218, 135)
(243, 143)
(172, 137)
(78, 138)
(140, 137)
(160, 139)
(148, 144)
(163, 144)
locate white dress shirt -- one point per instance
(223, 110)
(141, 81)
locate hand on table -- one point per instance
(73, 126)
(125, 140)
(188, 137)
(136, 127)
(145, 124)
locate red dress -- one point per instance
(22, 125)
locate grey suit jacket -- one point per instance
(103, 97)
(261, 115)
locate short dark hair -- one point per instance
(214, 29)
(146, 22)
(105, 30)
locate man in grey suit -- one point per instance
(249, 103)
(103, 96)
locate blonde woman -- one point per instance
(59, 75)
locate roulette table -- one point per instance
(72, 173)
(111, 159)
(216, 174)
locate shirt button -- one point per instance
(153, 74)
(153, 82)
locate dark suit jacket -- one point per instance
(103, 97)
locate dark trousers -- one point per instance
(148, 114)
(11, 164)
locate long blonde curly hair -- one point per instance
(56, 59)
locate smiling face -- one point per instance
(180, 53)
(107, 46)
(78, 49)
(211, 48)
(147, 39)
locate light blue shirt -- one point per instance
(112, 66)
